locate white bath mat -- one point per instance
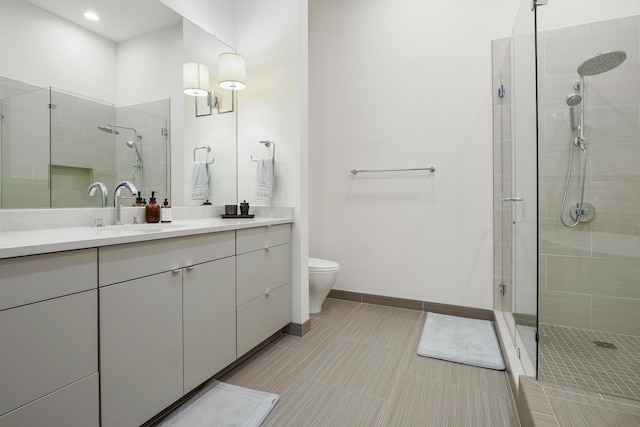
(458, 339)
(223, 405)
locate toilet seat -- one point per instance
(321, 265)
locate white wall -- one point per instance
(39, 48)
(272, 35)
(214, 16)
(404, 84)
(566, 13)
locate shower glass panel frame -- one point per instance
(515, 190)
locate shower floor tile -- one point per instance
(570, 356)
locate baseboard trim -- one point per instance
(452, 310)
(297, 329)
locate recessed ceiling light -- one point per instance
(91, 16)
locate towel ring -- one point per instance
(204, 147)
(266, 144)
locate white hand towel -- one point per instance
(200, 181)
(265, 179)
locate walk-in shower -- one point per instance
(580, 243)
(601, 63)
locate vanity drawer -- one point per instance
(261, 271)
(46, 346)
(29, 279)
(120, 263)
(73, 406)
(253, 239)
(260, 318)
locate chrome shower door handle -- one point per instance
(515, 199)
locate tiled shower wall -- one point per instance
(65, 145)
(590, 275)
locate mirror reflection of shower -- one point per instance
(135, 145)
(601, 63)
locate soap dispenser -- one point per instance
(165, 211)
(152, 211)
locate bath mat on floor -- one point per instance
(462, 340)
(223, 405)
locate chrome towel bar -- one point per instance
(356, 171)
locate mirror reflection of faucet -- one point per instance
(103, 189)
(116, 198)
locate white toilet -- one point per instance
(322, 276)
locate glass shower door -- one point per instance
(516, 187)
(524, 197)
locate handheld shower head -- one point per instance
(132, 144)
(602, 62)
(573, 100)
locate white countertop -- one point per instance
(31, 242)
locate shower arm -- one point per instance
(138, 135)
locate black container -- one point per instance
(244, 208)
(230, 209)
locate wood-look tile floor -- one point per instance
(358, 367)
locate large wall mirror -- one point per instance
(84, 101)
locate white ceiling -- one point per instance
(119, 19)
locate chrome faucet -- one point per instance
(103, 189)
(116, 197)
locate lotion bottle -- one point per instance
(165, 211)
(152, 210)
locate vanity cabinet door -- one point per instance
(46, 346)
(140, 348)
(209, 296)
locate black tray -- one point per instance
(238, 216)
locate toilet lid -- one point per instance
(318, 264)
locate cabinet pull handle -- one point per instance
(267, 247)
(266, 292)
(176, 271)
(190, 267)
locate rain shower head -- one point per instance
(108, 129)
(602, 62)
